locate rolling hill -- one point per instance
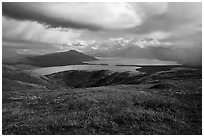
(164, 102)
(70, 57)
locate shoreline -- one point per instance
(141, 68)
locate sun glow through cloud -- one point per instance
(100, 27)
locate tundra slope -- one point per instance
(161, 102)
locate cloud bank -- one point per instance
(95, 27)
(92, 16)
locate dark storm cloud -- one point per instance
(172, 24)
(22, 11)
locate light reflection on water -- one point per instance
(130, 61)
(111, 65)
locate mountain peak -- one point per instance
(71, 57)
(72, 51)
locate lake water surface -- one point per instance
(110, 65)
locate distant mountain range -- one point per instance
(186, 56)
(70, 57)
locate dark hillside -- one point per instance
(70, 57)
(164, 102)
(60, 59)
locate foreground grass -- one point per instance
(167, 102)
(101, 110)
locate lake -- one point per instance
(105, 63)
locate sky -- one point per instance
(39, 28)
